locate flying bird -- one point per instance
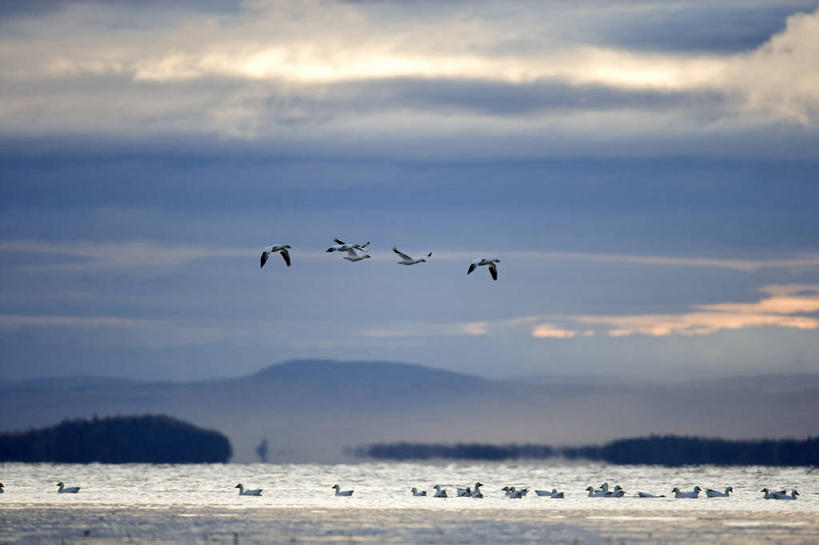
(493, 269)
(407, 260)
(342, 246)
(273, 248)
(355, 254)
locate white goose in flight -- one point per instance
(480, 262)
(717, 494)
(340, 492)
(342, 246)
(63, 490)
(273, 248)
(354, 255)
(250, 492)
(407, 260)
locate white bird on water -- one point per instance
(464, 492)
(647, 495)
(481, 262)
(693, 494)
(63, 490)
(342, 246)
(416, 492)
(250, 492)
(340, 492)
(439, 492)
(407, 260)
(273, 248)
(600, 493)
(354, 255)
(476, 492)
(543, 492)
(783, 496)
(1, 488)
(557, 495)
(711, 493)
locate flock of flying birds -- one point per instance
(357, 252)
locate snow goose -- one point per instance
(480, 262)
(711, 493)
(407, 260)
(251, 492)
(272, 249)
(770, 494)
(439, 492)
(340, 492)
(344, 247)
(416, 492)
(782, 496)
(464, 492)
(512, 492)
(647, 495)
(557, 495)
(543, 492)
(599, 493)
(693, 494)
(63, 490)
(1, 488)
(476, 492)
(354, 255)
(618, 492)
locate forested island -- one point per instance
(661, 450)
(117, 440)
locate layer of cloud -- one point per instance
(321, 71)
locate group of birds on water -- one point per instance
(357, 252)
(517, 493)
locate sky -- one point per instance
(647, 172)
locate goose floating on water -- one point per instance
(543, 492)
(476, 492)
(711, 493)
(340, 492)
(416, 492)
(439, 492)
(783, 496)
(647, 495)
(1, 488)
(273, 248)
(693, 494)
(407, 260)
(618, 492)
(557, 495)
(481, 262)
(63, 490)
(599, 493)
(250, 492)
(464, 492)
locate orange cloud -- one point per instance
(546, 331)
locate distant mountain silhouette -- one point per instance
(315, 410)
(135, 439)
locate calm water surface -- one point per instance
(198, 503)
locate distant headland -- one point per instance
(658, 450)
(151, 439)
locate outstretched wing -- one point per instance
(263, 259)
(402, 254)
(493, 270)
(472, 267)
(286, 256)
(339, 241)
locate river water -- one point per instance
(198, 503)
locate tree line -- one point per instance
(117, 440)
(666, 450)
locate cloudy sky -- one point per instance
(647, 172)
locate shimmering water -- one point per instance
(192, 503)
